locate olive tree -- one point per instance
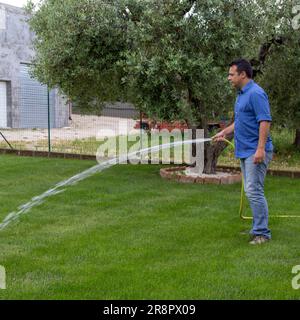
(170, 58)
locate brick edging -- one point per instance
(46, 154)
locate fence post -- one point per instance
(141, 134)
(49, 129)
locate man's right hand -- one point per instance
(221, 136)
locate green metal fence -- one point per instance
(46, 121)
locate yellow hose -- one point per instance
(242, 200)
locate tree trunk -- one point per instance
(210, 159)
(212, 152)
(297, 139)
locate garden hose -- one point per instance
(242, 199)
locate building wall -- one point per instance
(16, 48)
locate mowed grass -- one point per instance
(127, 234)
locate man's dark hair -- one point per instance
(243, 65)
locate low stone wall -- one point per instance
(178, 174)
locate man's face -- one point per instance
(235, 78)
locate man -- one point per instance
(253, 144)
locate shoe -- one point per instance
(259, 240)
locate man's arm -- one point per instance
(222, 134)
(264, 129)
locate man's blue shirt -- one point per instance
(251, 107)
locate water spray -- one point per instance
(58, 188)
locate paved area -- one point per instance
(80, 127)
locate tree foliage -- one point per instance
(281, 70)
(169, 58)
(79, 44)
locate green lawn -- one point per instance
(127, 234)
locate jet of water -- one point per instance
(59, 187)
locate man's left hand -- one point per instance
(259, 156)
